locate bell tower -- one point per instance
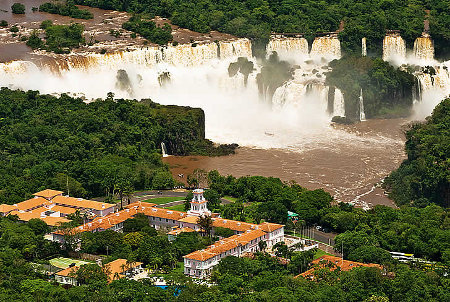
(199, 204)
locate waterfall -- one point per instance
(288, 46)
(311, 96)
(182, 55)
(328, 47)
(424, 48)
(433, 85)
(364, 47)
(235, 48)
(339, 104)
(164, 150)
(394, 47)
(362, 115)
(190, 54)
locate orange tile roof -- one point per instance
(5, 208)
(48, 193)
(118, 267)
(140, 203)
(62, 209)
(182, 230)
(269, 227)
(81, 203)
(68, 271)
(344, 265)
(234, 225)
(54, 221)
(162, 213)
(224, 245)
(27, 216)
(105, 222)
(36, 214)
(200, 255)
(189, 219)
(113, 269)
(31, 203)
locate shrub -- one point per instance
(46, 24)
(14, 29)
(18, 8)
(34, 41)
(3, 23)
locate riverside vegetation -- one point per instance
(387, 90)
(99, 147)
(424, 177)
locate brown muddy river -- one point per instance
(348, 171)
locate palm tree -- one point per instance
(262, 245)
(206, 223)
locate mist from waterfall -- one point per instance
(297, 116)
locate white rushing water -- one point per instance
(339, 105)
(364, 47)
(362, 114)
(296, 119)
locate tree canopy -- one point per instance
(424, 177)
(102, 148)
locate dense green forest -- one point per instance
(387, 91)
(257, 18)
(104, 146)
(424, 177)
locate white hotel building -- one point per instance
(199, 263)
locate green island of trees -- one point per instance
(66, 9)
(149, 30)
(18, 9)
(99, 146)
(424, 177)
(387, 91)
(257, 18)
(58, 38)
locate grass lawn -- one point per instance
(63, 263)
(162, 200)
(230, 198)
(320, 253)
(179, 207)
